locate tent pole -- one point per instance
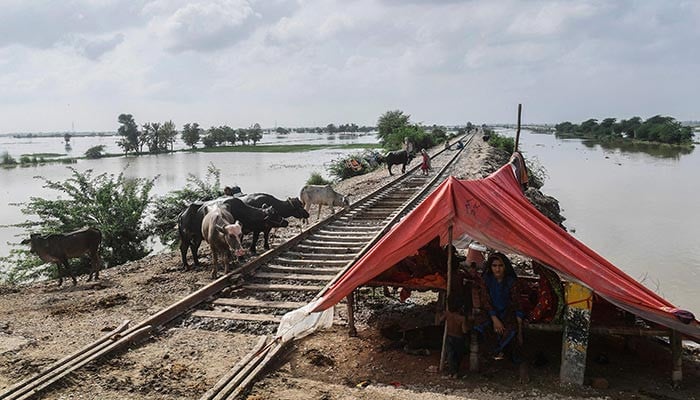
(676, 356)
(577, 322)
(351, 314)
(517, 133)
(447, 297)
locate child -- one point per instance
(456, 326)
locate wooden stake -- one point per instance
(517, 133)
(577, 322)
(676, 356)
(447, 297)
(352, 331)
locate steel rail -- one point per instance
(119, 338)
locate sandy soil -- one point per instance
(41, 323)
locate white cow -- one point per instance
(322, 195)
(223, 233)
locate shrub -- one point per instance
(501, 142)
(354, 164)
(317, 179)
(115, 205)
(7, 159)
(95, 152)
(166, 208)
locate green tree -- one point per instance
(166, 136)
(389, 124)
(191, 134)
(149, 136)
(229, 134)
(243, 135)
(255, 134)
(95, 152)
(129, 132)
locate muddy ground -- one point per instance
(389, 359)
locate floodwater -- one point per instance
(636, 205)
(279, 174)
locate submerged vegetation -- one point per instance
(660, 129)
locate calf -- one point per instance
(255, 219)
(322, 194)
(400, 157)
(223, 233)
(292, 207)
(59, 247)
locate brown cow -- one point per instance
(59, 247)
(223, 233)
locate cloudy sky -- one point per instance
(308, 63)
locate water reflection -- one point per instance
(633, 203)
(652, 149)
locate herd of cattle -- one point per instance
(221, 222)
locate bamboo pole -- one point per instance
(447, 297)
(517, 133)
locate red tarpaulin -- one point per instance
(494, 212)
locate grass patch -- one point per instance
(284, 148)
(44, 155)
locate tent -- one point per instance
(495, 212)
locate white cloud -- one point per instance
(315, 62)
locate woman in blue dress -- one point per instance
(500, 300)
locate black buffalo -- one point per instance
(291, 207)
(399, 157)
(59, 247)
(189, 222)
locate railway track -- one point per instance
(254, 297)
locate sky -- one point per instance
(77, 64)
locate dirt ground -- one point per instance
(41, 323)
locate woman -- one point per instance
(501, 302)
(425, 165)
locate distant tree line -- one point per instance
(330, 128)
(155, 137)
(662, 129)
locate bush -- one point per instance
(95, 152)
(114, 205)
(7, 159)
(354, 164)
(501, 142)
(25, 159)
(167, 208)
(317, 179)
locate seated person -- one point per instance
(500, 300)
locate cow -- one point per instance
(399, 157)
(322, 194)
(292, 207)
(189, 224)
(223, 233)
(59, 247)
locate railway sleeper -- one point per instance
(328, 249)
(313, 263)
(313, 285)
(317, 256)
(301, 270)
(339, 238)
(298, 296)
